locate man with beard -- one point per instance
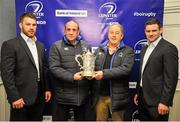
(23, 71)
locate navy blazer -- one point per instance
(19, 73)
(160, 74)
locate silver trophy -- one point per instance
(88, 60)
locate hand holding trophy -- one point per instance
(88, 66)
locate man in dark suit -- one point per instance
(158, 75)
(23, 71)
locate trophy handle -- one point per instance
(76, 58)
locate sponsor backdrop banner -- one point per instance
(94, 17)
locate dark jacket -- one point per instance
(63, 67)
(160, 74)
(19, 73)
(118, 74)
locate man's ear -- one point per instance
(122, 36)
(20, 26)
(161, 30)
(79, 32)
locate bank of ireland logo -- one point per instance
(35, 7)
(137, 48)
(107, 10)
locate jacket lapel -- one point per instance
(142, 57)
(39, 54)
(26, 48)
(153, 53)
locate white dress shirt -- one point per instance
(32, 47)
(148, 52)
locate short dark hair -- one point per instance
(27, 14)
(152, 21)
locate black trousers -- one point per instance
(32, 112)
(149, 113)
(27, 113)
(66, 112)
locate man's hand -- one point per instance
(18, 104)
(136, 99)
(48, 96)
(78, 76)
(163, 109)
(98, 75)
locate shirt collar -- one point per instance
(117, 46)
(26, 38)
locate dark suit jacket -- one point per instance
(160, 74)
(18, 70)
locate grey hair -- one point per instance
(118, 24)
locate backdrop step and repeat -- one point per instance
(94, 17)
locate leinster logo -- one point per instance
(107, 10)
(137, 48)
(35, 7)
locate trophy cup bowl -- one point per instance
(88, 66)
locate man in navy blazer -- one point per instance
(23, 71)
(158, 75)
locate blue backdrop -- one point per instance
(94, 17)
